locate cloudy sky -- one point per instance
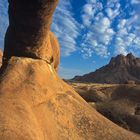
(90, 32)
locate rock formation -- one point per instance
(35, 104)
(120, 70)
(55, 51)
(28, 32)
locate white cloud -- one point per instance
(122, 23)
(86, 20)
(113, 10)
(88, 9)
(105, 22)
(87, 52)
(99, 32)
(121, 50)
(133, 19)
(135, 1)
(126, 38)
(109, 12)
(137, 41)
(65, 27)
(110, 26)
(91, 1)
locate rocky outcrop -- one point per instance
(28, 32)
(120, 70)
(55, 51)
(35, 104)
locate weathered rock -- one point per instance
(28, 31)
(55, 51)
(33, 108)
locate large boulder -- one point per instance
(28, 32)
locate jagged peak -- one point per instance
(118, 59)
(119, 70)
(131, 56)
(122, 59)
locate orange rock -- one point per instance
(28, 31)
(35, 104)
(56, 51)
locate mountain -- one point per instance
(121, 69)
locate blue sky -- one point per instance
(90, 32)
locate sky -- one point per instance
(90, 32)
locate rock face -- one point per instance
(55, 51)
(121, 69)
(35, 104)
(28, 32)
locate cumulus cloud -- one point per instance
(122, 23)
(65, 27)
(135, 1)
(113, 9)
(88, 9)
(98, 33)
(127, 36)
(111, 25)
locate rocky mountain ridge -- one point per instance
(120, 70)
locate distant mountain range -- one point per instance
(121, 69)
